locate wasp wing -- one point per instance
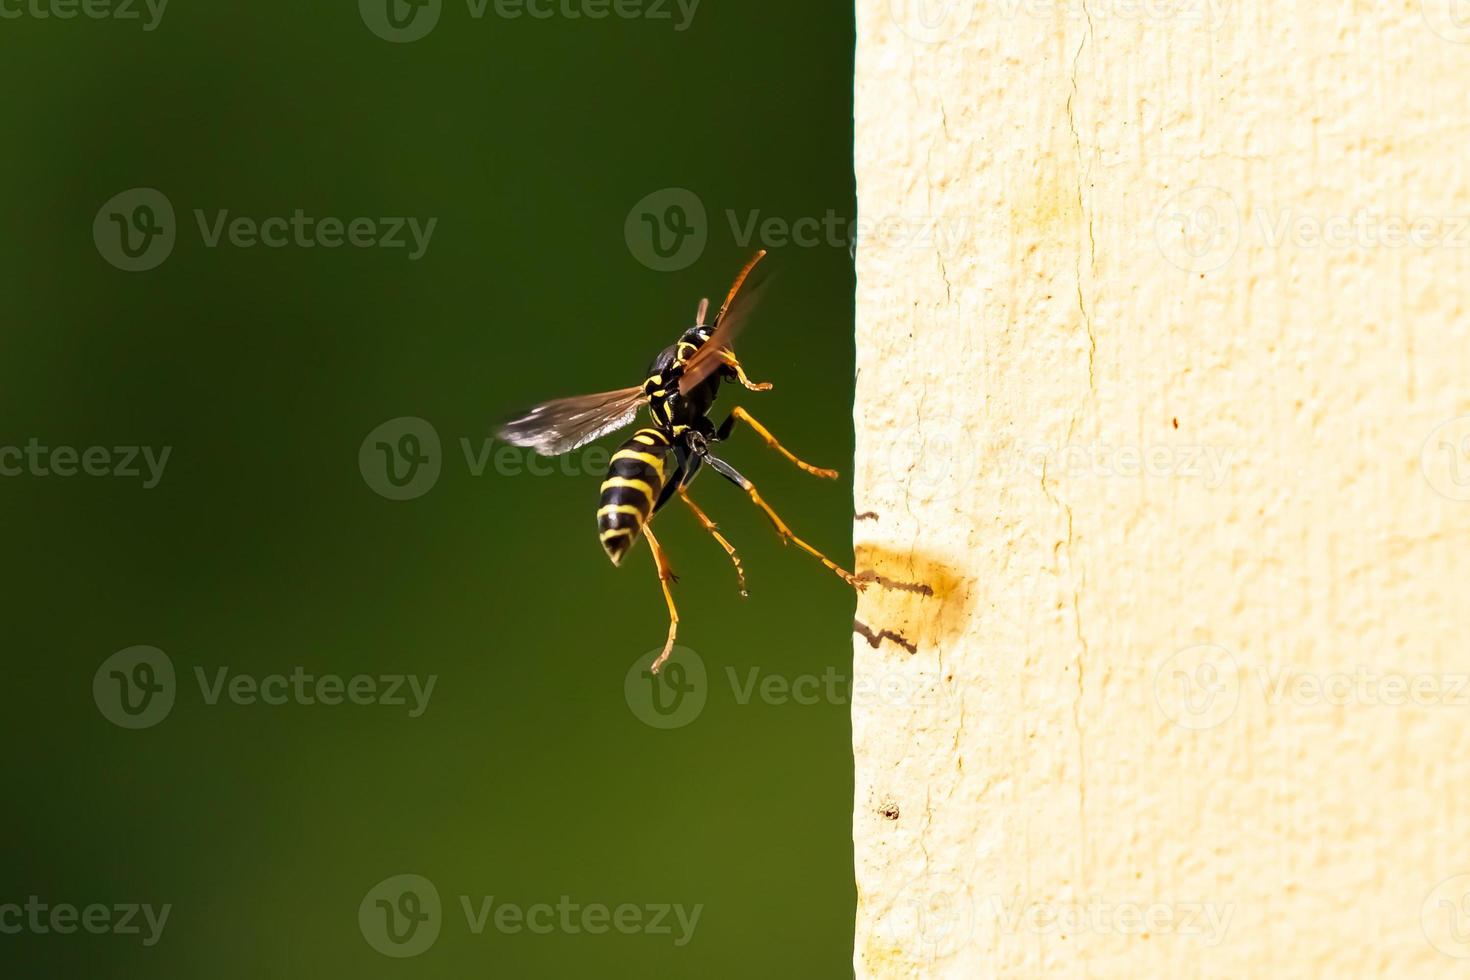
(557, 427)
(728, 322)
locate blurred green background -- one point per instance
(265, 548)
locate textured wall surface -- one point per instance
(1163, 454)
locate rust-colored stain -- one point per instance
(920, 602)
(1047, 203)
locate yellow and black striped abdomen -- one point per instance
(635, 478)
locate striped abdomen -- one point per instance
(635, 478)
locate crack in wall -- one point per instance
(1082, 207)
(1080, 578)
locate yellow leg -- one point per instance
(713, 529)
(729, 359)
(770, 440)
(786, 535)
(665, 576)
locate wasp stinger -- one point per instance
(661, 461)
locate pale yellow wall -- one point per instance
(1074, 240)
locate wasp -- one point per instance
(660, 461)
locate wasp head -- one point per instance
(696, 335)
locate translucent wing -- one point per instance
(730, 321)
(557, 427)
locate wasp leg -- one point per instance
(733, 475)
(741, 415)
(665, 576)
(729, 359)
(713, 529)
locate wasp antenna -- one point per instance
(740, 281)
(702, 313)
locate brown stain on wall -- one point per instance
(920, 601)
(1044, 204)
